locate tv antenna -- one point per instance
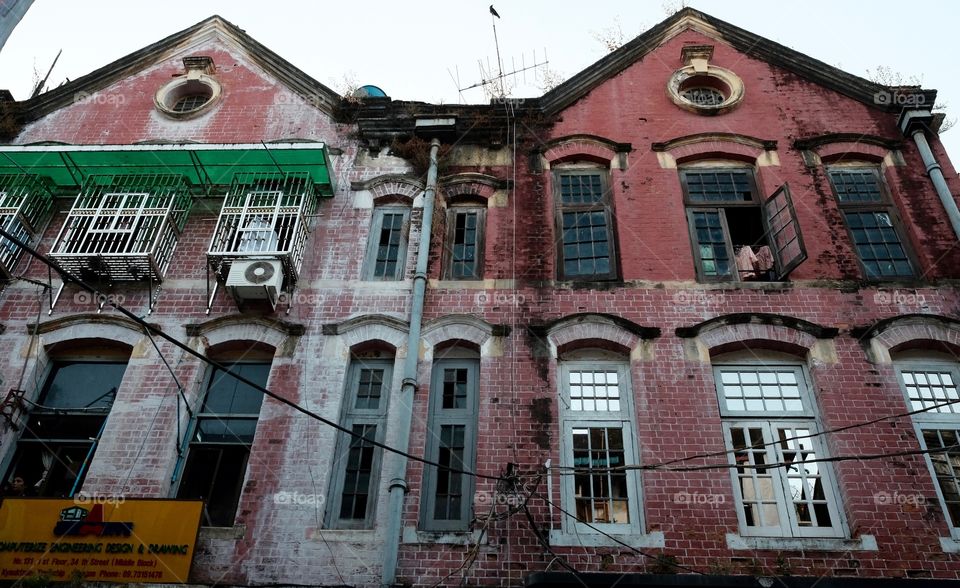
(492, 78)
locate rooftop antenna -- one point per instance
(496, 41)
(43, 82)
(487, 76)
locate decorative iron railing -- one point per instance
(264, 216)
(124, 227)
(25, 205)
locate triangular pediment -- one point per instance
(213, 31)
(744, 41)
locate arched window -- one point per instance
(598, 435)
(356, 475)
(872, 220)
(387, 247)
(771, 432)
(463, 257)
(584, 221)
(222, 430)
(66, 422)
(451, 439)
(737, 235)
(929, 381)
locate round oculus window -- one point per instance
(183, 98)
(714, 91)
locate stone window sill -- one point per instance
(861, 543)
(949, 545)
(228, 533)
(413, 535)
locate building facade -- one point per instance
(690, 318)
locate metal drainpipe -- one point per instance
(398, 484)
(939, 182)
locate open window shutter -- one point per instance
(783, 232)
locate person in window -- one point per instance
(17, 488)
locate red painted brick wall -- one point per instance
(677, 413)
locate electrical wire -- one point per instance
(762, 466)
(817, 434)
(614, 539)
(68, 277)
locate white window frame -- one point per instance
(624, 418)
(769, 422)
(932, 421)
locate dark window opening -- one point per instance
(464, 255)
(216, 475)
(735, 235)
(222, 436)
(747, 231)
(62, 431)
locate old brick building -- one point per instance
(668, 323)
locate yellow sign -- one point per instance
(109, 540)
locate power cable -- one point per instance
(656, 558)
(67, 276)
(761, 466)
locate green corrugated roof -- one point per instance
(68, 166)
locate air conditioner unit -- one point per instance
(259, 279)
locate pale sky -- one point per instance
(418, 49)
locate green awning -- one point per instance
(68, 166)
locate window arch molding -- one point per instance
(791, 335)
(471, 330)
(602, 331)
(909, 332)
(279, 335)
(723, 146)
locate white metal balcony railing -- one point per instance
(124, 227)
(25, 205)
(264, 216)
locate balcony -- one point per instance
(264, 217)
(25, 204)
(123, 227)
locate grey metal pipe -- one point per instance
(939, 182)
(398, 484)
